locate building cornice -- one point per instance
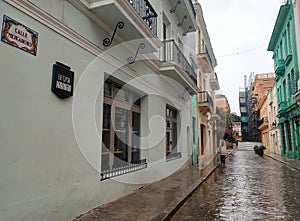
(280, 21)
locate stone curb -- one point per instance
(171, 210)
(283, 162)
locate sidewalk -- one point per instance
(157, 201)
(293, 163)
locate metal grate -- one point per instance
(126, 168)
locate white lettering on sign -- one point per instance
(63, 86)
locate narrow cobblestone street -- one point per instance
(249, 187)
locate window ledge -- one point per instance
(173, 156)
(128, 168)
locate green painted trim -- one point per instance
(280, 21)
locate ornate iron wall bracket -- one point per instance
(174, 9)
(107, 42)
(131, 59)
(180, 24)
(189, 28)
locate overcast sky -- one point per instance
(240, 31)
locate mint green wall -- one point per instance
(194, 114)
(283, 45)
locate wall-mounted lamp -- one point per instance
(174, 9)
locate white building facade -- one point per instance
(207, 83)
(95, 99)
(274, 133)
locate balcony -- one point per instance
(217, 114)
(147, 13)
(176, 66)
(214, 82)
(263, 123)
(205, 102)
(138, 16)
(297, 97)
(205, 60)
(282, 107)
(288, 57)
(279, 67)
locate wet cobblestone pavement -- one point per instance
(249, 187)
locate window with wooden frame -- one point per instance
(121, 127)
(171, 133)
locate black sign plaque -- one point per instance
(62, 80)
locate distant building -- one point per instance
(257, 91)
(286, 65)
(243, 94)
(263, 125)
(237, 130)
(222, 102)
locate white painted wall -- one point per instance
(44, 175)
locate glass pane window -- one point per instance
(171, 130)
(136, 127)
(121, 127)
(121, 93)
(105, 137)
(107, 89)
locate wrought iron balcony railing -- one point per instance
(204, 97)
(214, 82)
(123, 169)
(172, 52)
(145, 10)
(204, 51)
(262, 121)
